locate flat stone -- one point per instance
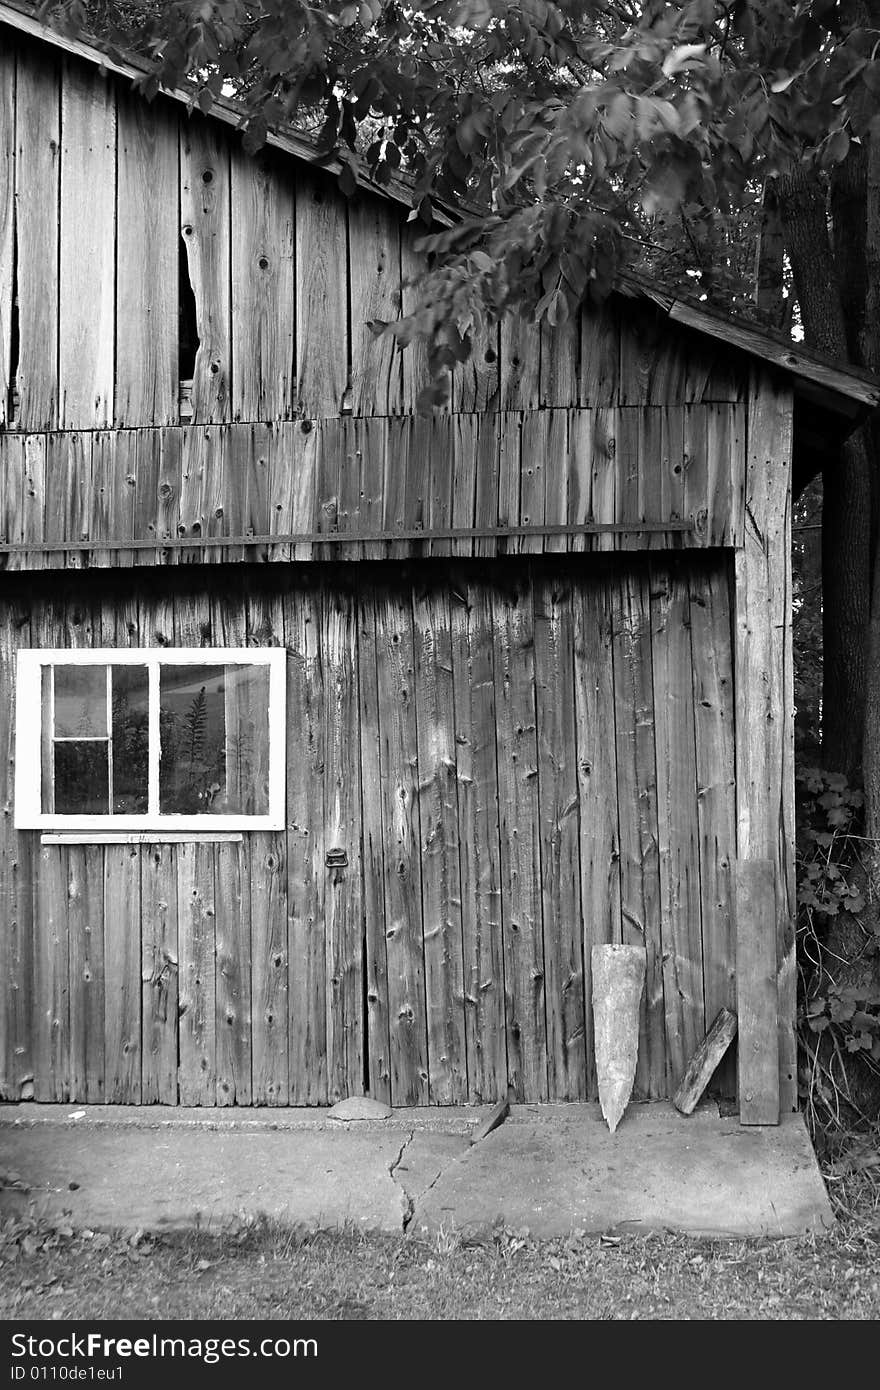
(359, 1108)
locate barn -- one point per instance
(351, 728)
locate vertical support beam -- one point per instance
(764, 693)
(756, 993)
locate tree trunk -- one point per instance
(870, 351)
(769, 258)
(846, 567)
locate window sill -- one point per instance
(141, 837)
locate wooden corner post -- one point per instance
(765, 757)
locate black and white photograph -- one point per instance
(439, 676)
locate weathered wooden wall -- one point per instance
(509, 754)
(496, 797)
(102, 195)
(631, 465)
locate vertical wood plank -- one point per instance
(597, 783)
(579, 467)
(85, 929)
(160, 970)
(534, 460)
(374, 872)
(400, 828)
(232, 881)
(268, 877)
(672, 463)
(375, 291)
(756, 998)
(556, 476)
(519, 828)
(520, 364)
(598, 365)
(147, 241)
(84, 866)
(262, 303)
(38, 139)
(603, 481)
(509, 480)
(322, 345)
(196, 917)
(559, 827)
(17, 1034)
(233, 973)
(122, 963)
(370, 439)
(475, 383)
(696, 472)
(678, 832)
(764, 694)
(439, 846)
(487, 447)
(445, 481)
(205, 218)
(560, 347)
(87, 311)
(196, 989)
(305, 847)
(7, 224)
(716, 785)
(637, 813)
(413, 268)
(480, 854)
(343, 896)
(120, 623)
(51, 980)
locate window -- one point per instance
(150, 740)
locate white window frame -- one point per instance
(28, 737)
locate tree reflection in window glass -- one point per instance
(131, 721)
(214, 737)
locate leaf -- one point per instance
(683, 57)
(783, 81)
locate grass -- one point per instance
(264, 1270)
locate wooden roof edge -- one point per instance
(302, 147)
(849, 390)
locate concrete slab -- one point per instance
(133, 1177)
(551, 1169)
(557, 1169)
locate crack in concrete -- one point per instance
(459, 1158)
(409, 1205)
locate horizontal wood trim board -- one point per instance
(352, 537)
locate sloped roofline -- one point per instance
(821, 380)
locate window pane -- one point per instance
(82, 778)
(130, 739)
(80, 702)
(214, 726)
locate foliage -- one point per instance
(839, 1001)
(193, 763)
(564, 136)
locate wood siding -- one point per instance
(483, 744)
(417, 474)
(113, 208)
